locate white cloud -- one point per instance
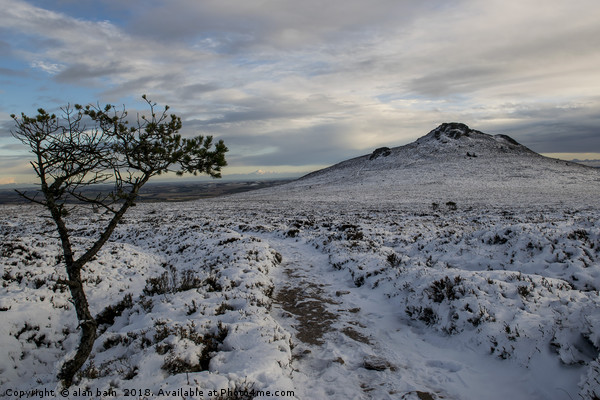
(50, 68)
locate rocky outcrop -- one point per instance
(453, 130)
(380, 152)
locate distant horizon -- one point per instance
(189, 179)
(273, 176)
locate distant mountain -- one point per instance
(452, 163)
(454, 143)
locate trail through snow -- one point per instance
(351, 343)
(324, 303)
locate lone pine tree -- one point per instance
(85, 146)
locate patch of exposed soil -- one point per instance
(308, 307)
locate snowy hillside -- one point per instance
(416, 273)
(452, 163)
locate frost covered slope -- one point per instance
(452, 163)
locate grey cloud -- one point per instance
(271, 23)
(555, 129)
(468, 70)
(83, 73)
(482, 50)
(5, 127)
(169, 84)
(451, 81)
(274, 107)
(10, 161)
(12, 72)
(255, 114)
(192, 91)
(5, 47)
(556, 136)
(16, 165)
(321, 144)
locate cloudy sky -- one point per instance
(292, 86)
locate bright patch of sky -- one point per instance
(311, 82)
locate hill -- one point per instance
(451, 163)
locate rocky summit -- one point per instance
(456, 136)
(457, 130)
(453, 130)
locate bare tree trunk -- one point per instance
(86, 322)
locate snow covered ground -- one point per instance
(315, 299)
(462, 266)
